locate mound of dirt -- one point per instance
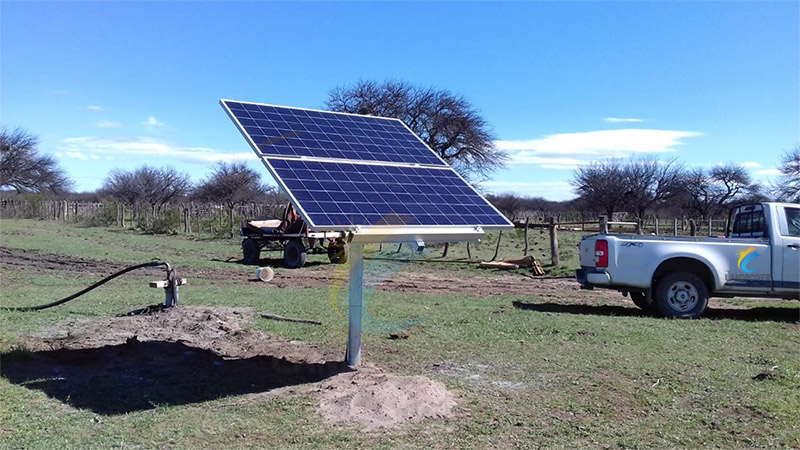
(189, 354)
(375, 399)
(218, 329)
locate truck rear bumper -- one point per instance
(589, 276)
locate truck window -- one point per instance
(749, 224)
(792, 221)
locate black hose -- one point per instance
(94, 286)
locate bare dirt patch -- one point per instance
(187, 355)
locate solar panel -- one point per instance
(345, 170)
(295, 132)
(340, 195)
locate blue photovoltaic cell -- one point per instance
(335, 194)
(292, 132)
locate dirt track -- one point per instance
(414, 280)
(433, 282)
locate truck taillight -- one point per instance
(601, 253)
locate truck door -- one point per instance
(789, 227)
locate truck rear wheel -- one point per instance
(251, 251)
(681, 295)
(294, 254)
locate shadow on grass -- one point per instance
(137, 375)
(271, 262)
(789, 315)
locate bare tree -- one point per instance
(24, 169)
(447, 123)
(788, 187)
(147, 185)
(600, 185)
(509, 204)
(233, 184)
(650, 183)
(711, 192)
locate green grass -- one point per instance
(524, 377)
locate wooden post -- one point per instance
(446, 249)
(469, 252)
(692, 227)
(725, 231)
(525, 252)
(656, 225)
(497, 247)
(603, 224)
(709, 227)
(675, 227)
(553, 241)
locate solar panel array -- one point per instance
(336, 194)
(280, 131)
(343, 170)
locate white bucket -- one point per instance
(265, 273)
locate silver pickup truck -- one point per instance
(675, 276)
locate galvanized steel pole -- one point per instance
(355, 289)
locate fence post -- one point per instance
(603, 224)
(469, 252)
(709, 227)
(675, 227)
(656, 225)
(497, 247)
(446, 249)
(525, 252)
(692, 227)
(553, 241)
(725, 231)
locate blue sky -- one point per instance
(119, 84)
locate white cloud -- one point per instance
(568, 150)
(143, 147)
(107, 124)
(95, 108)
(768, 172)
(751, 164)
(622, 120)
(551, 190)
(152, 122)
(76, 155)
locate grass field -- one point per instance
(552, 368)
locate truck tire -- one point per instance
(338, 252)
(251, 251)
(681, 295)
(294, 254)
(640, 299)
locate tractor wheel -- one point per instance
(338, 252)
(251, 251)
(294, 254)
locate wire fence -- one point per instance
(202, 219)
